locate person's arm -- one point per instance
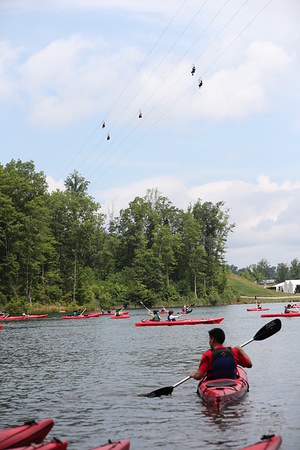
(246, 361)
(197, 374)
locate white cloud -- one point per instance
(8, 56)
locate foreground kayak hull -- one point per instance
(218, 393)
(266, 443)
(258, 309)
(152, 323)
(31, 432)
(294, 314)
(118, 445)
(55, 444)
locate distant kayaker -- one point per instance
(258, 306)
(288, 309)
(220, 361)
(154, 315)
(184, 309)
(171, 316)
(119, 312)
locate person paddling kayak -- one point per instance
(220, 361)
(154, 315)
(172, 317)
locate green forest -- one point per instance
(59, 248)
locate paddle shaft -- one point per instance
(145, 306)
(82, 312)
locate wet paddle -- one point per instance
(265, 332)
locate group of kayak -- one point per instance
(290, 310)
(32, 435)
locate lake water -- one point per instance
(88, 375)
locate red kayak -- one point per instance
(29, 433)
(167, 323)
(272, 442)
(118, 445)
(1, 326)
(36, 316)
(94, 314)
(293, 314)
(75, 317)
(55, 444)
(112, 313)
(122, 316)
(8, 318)
(258, 309)
(218, 393)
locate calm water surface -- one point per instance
(88, 375)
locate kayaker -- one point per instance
(220, 361)
(183, 310)
(288, 309)
(154, 315)
(171, 316)
(119, 312)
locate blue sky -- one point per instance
(67, 65)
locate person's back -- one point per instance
(220, 361)
(155, 316)
(223, 363)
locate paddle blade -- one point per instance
(159, 392)
(268, 330)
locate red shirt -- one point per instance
(206, 360)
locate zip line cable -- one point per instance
(221, 54)
(194, 17)
(166, 93)
(145, 82)
(183, 95)
(131, 79)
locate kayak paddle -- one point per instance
(265, 332)
(145, 306)
(166, 390)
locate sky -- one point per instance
(67, 65)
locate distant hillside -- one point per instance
(248, 290)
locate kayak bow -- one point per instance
(272, 442)
(118, 445)
(30, 432)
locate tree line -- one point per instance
(59, 248)
(263, 271)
